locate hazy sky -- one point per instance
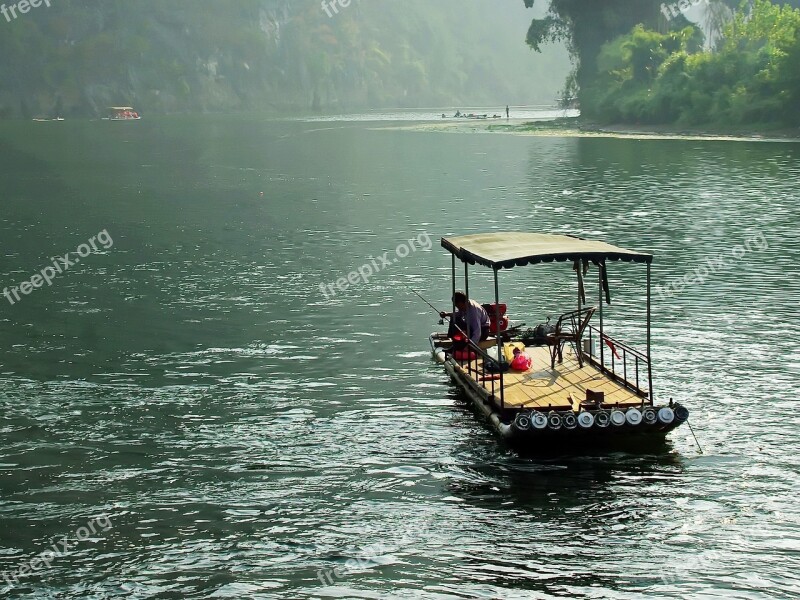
(503, 28)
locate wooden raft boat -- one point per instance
(583, 386)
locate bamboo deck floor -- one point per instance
(563, 387)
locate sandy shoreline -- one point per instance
(571, 128)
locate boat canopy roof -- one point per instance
(503, 250)
(120, 108)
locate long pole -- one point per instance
(699, 447)
(649, 359)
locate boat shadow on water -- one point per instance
(552, 506)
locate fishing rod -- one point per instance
(438, 312)
(449, 315)
(442, 318)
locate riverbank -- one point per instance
(576, 127)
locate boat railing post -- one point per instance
(484, 375)
(625, 365)
(613, 364)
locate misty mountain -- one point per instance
(78, 56)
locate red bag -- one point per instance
(521, 362)
(462, 355)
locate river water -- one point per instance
(199, 420)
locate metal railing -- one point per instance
(477, 369)
(631, 360)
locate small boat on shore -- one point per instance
(575, 385)
(122, 113)
(460, 115)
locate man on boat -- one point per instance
(469, 316)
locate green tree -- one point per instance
(585, 25)
(751, 77)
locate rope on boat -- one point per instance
(699, 447)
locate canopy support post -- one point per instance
(498, 336)
(579, 269)
(600, 267)
(466, 292)
(649, 358)
(453, 292)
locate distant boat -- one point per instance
(122, 113)
(43, 120)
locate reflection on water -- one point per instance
(242, 432)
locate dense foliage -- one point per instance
(636, 65)
(79, 56)
(585, 25)
(752, 77)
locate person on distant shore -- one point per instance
(468, 313)
(508, 112)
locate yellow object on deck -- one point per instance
(508, 350)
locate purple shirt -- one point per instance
(476, 318)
